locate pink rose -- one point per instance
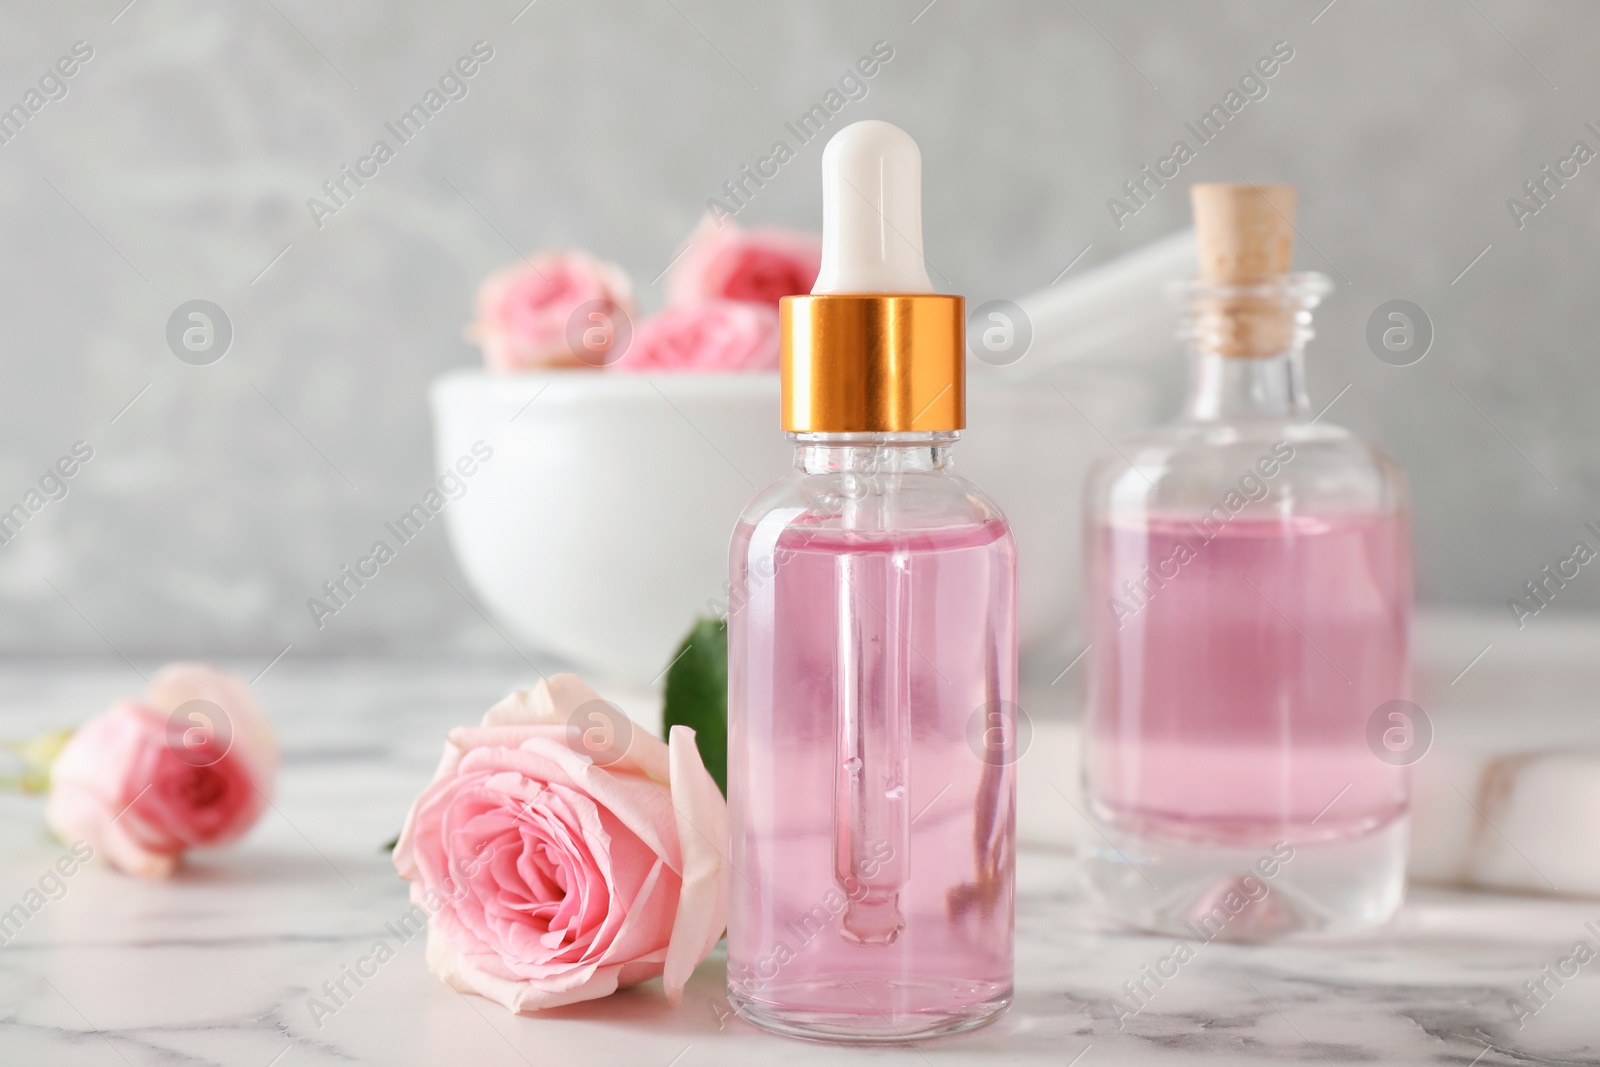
(526, 312)
(706, 335)
(140, 784)
(759, 266)
(557, 864)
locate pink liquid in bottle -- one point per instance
(1233, 692)
(872, 817)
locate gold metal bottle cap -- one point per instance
(873, 363)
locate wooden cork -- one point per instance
(1245, 231)
(1246, 238)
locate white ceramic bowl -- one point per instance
(599, 529)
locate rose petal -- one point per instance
(702, 820)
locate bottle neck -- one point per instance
(1247, 347)
(1233, 387)
(873, 453)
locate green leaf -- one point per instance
(37, 756)
(696, 694)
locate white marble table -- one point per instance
(217, 966)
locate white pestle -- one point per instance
(1117, 312)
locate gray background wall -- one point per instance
(179, 164)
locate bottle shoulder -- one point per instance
(905, 500)
(1266, 466)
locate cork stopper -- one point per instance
(1245, 231)
(1246, 238)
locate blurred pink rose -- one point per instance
(758, 266)
(705, 335)
(559, 865)
(526, 312)
(141, 785)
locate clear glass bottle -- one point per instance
(1249, 592)
(871, 657)
(871, 668)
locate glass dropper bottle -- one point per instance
(872, 655)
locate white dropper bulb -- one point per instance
(872, 212)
